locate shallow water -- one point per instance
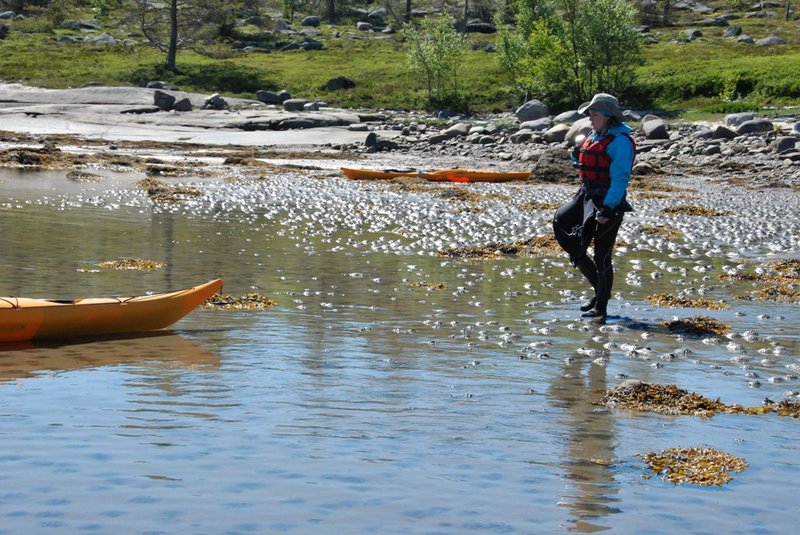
(363, 403)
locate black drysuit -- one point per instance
(575, 226)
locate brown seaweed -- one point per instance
(251, 301)
(674, 401)
(138, 264)
(697, 326)
(695, 466)
(674, 301)
(694, 211)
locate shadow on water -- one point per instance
(22, 360)
(589, 446)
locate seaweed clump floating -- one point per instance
(162, 192)
(427, 285)
(695, 466)
(785, 274)
(83, 176)
(694, 211)
(251, 301)
(697, 326)
(131, 263)
(661, 230)
(675, 401)
(535, 246)
(662, 399)
(536, 205)
(673, 301)
(44, 157)
(780, 293)
(786, 408)
(448, 192)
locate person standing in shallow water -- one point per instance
(604, 161)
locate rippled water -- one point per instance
(366, 402)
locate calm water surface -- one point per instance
(364, 402)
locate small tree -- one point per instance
(332, 11)
(583, 47)
(436, 53)
(513, 44)
(289, 8)
(184, 24)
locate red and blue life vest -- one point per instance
(594, 164)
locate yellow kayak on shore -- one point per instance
(35, 319)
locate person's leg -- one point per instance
(605, 237)
(574, 237)
(588, 268)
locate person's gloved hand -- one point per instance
(604, 215)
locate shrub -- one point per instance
(436, 53)
(573, 50)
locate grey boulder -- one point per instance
(723, 132)
(732, 31)
(294, 104)
(183, 104)
(216, 102)
(165, 101)
(784, 144)
(272, 97)
(557, 133)
(567, 117)
(735, 119)
(655, 127)
(772, 40)
(537, 125)
(532, 110)
(755, 126)
(339, 83)
(457, 130)
(581, 127)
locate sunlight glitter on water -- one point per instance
(364, 402)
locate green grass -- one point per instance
(716, 75)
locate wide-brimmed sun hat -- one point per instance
(604, 103)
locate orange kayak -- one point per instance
(474, 175)
(437, 175)
(376, 174)
(32, 319)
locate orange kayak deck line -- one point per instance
(376, 174)
(437, 175)
(475, 175)
(34, 319)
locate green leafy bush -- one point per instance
(436, 53)
(573, 49)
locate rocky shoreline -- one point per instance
(753, 151)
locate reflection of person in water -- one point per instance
(604, 161)
(590, 444)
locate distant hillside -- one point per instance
(714, 56)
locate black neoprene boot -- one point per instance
(597, 314)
